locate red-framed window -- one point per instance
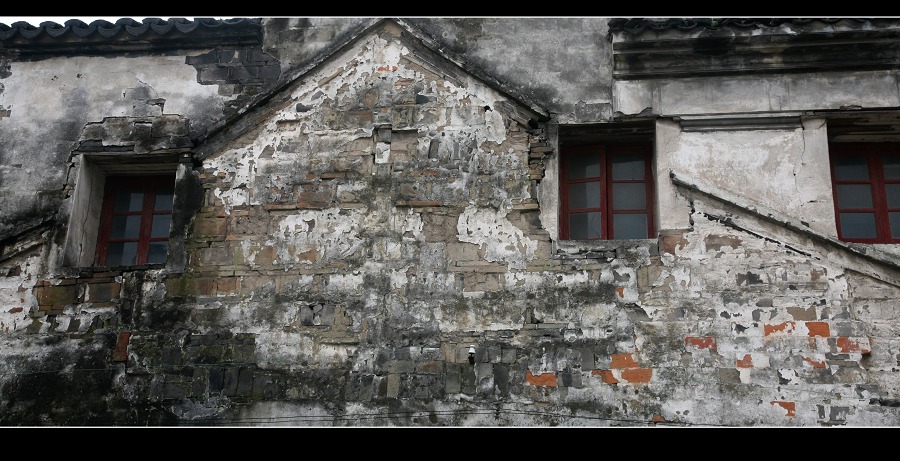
(135, 220)
(865, 180)
(606, 192)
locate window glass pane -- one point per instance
(584, 195)
(893, 195)
(121, 254)
(629, 226)
(125, 226)
(584, 166)
(584, 225)
(157, 252)
(129, 200)
(891, 167)
(849, 167)
(895, 224)
(854, 196)
(160, 225)
(628, 166)
(163, 201)
(629, 196)
(858, 225)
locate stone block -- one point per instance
(452, 378)
(393, 386)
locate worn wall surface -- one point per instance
(345, 248)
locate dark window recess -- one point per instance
(866, 186)
(606, 193)
(135, 220)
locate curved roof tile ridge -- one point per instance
(108, 29)
(636, 26)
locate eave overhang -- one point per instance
(682, 49)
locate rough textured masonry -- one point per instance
(368, 223)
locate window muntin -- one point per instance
(606, 193)
(866, 186)
(135, 220)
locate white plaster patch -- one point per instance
(344, 283)
(399, 279)
(790, 376)
(330, 232)
(504, 241)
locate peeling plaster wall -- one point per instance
(381, 219)
(757, 94)
(49, 102)
(779, 169)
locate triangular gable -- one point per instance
(427, 53)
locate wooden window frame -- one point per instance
(151, 186)
(873, 152)
(606, 184)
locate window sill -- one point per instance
(608, 249)
(91, 271)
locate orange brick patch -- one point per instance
(847, 344)
(543, 379)
(623, 361)
(789, 406)
(637, 375)
(606, 376)
(120, 353)
(785, 327)
(707, 342)
(746, 362)
(818, 329)
(814, 363)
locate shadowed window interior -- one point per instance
(606, 192)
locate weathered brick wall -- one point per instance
(350, 249)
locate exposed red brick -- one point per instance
(707, 342)
(265, 256)
(311, 255)
(314, 200)
(543, 379)
(658, 419)
(102, 292)
(637, 375)
(227, 285)
(814, 363)
(847, 344)
(818, 329)
(770, 328)
(620, 291)
(789, 406)
(623, 361)
(209, 226)
(120, 353)
(13, 310)
(280, 206)
(746, 362)
(606, 376)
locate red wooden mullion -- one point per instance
(150, 187)
(648, 194)
(565, 210)
(146, 223)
